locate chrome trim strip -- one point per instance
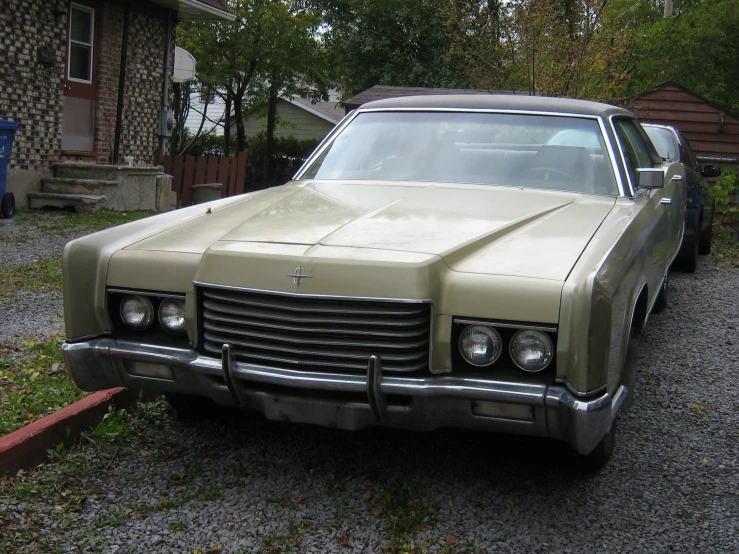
(374, 390)
(324, 144)
(618, 400)
(677, 177)
(505, 325)
(157, 294)
(600, 390)
(318, 296)
(665, 201)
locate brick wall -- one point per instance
(31, 92)
(143, 98)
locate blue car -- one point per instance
(672, 145)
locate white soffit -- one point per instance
(195, 10)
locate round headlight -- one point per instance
(531, 350)
(480, 345)
(172, 315)
(137, 312)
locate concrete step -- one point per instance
(80, 202)
(77, 186)
(86, 170)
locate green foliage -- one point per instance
(726, 192)
(696, 47)
(388, 42)
(33, 383)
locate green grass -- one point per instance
(34, 385)
(723, 247)
(34, 224)
(41, 276)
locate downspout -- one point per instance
(121, 85)
(165, 87)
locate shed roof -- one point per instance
(713, 131)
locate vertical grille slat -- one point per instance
(315, 333)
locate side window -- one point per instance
(633, 147)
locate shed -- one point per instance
(712, 130)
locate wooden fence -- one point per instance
(199, 170)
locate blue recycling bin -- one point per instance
(7, 134)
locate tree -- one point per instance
(238, 60)
(388, 42)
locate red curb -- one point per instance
(26, 447)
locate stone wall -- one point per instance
(30, 91)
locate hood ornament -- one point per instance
(299, 276)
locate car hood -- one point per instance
(475, 229)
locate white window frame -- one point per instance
(70, 41)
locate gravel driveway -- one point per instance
(240, 484)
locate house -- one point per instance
(88, 81)
(297, 116)
(712, 130)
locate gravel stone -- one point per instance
(672, 485)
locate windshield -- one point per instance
(535, 151)
(665, 142)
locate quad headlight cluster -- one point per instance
(138, 313)
(531, 350)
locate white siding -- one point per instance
(292, 121)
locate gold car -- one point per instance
(473, 261)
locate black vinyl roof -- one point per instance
(499, 102)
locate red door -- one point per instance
(78, 115)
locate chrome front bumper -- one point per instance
(345, 401)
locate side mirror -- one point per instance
(650, 178)
(711, 171)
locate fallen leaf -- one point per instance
(451, 539)
(704, 461)
(376, 512)
(721, 466)
(344, 539)
(230, 520)
(208, 211)
(367, 495)
(214, 549)
(54, 367)
(298, 499)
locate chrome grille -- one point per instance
(315, 333)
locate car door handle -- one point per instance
(677, 177)
(666, 201)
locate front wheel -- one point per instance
(599, 457)
(661, 302)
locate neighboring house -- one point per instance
(712, 130)
(298, 117)
(62, 80)
(381, 92)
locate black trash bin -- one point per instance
(7, 134)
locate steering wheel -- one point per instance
(533, 171)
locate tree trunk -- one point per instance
(269, 141)
(238, 102)
(227, 126)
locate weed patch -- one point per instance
(33, 383)
(37, 276)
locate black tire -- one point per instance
(706, 238)
(661, 302)
(190, 406)
(689, 260)
(628, 375)
(7, 209)
(599, 457)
